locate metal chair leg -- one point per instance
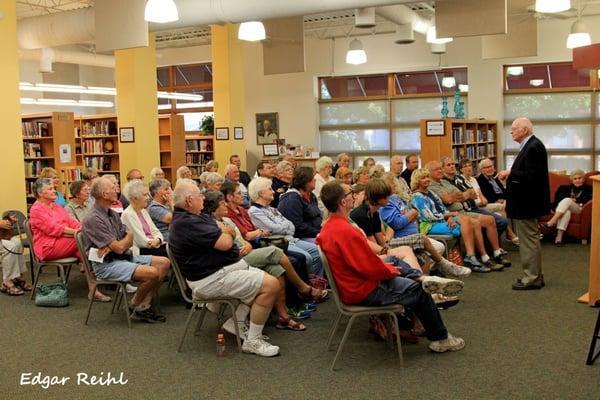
(237, 329)
(89, 310)
(187, 324)
(35, 282)
(344, 338)
(398, 341)
(121, 289)
(333, 329)
(200, 320)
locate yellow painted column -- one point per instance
(11, 162)
(228, 91)
(137, 107)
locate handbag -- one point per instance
(52, 295)
(275, 240)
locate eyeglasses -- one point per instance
(348, 194)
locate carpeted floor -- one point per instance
(520, 345)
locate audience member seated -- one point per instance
(210, 262)
(212, 166)
(53, 229)
(381, 203)
(369, 162)
(344, 175)
(265, 217)
(358, 192)
(89, 174)
(412, 163)
(436, 219)
(289, 158)
(460, 199)
(284, 171)
(402, 189)
(183, 172)
(569, 199)
(213, 181)
(244, 177)
(146, 236)
(79, 205)
(494, 192)
(11, 260)
(300, 206)
(323, 166)
(270, 259)
(161, 206)
(376, 171)
(265, 169)
(157, 173)
(361, 175)
(343, 160)
(118, 205)
(239, 215)
(105, 235)
(50, 173)
(232, 174)
(131, 175)
(364, 279)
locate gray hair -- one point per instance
(184, 188)
(577, 172)
(342, 155)
(212, 163)
(323, 163)
(281, 165)
(157, 184)
(181, 170)
(376, 171)
(155, 171)
(202, 177)
(38, 185)
(228, 168)
(256, 186)
(212, 178)
(99, 185)
(485, 160)
(445, 159)
(134, 189)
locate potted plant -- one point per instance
(208, 124)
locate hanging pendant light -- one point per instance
(579, 35)
(552, 6)
(252, 31)
(161, 11)
(356, 55)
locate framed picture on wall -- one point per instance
(127, 134)
(222, 133)
(435, 128)
(270, 150)
(238, 133)
(267, 128)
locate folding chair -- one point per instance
(198, 303)
(19, 229)
(61, 264)
(356, 311)
(95, 282)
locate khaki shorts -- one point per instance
(266, 259)
(237, 280)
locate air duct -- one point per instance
(404, 34)
(364, 17)
(402, 15)
(47, 55)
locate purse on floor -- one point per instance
(52, 295)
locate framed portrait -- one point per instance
(267, 128)
(270, 150)
(127, 134)
(222, 133)
(238, 133)
(435, 128)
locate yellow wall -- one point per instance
(11, 161)
(228, 91)
(135, 78)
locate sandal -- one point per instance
(316, 295)
(11, 290)
(101, 297)
(23, 284)
(288, 323)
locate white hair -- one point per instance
(228, 168)
(323, 163)
(134, 189)
(212, 178)
(182, 170)
(257, 185)
(185, 187)
(155, 171)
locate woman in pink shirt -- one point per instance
(52, 228)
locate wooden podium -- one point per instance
(592, 297)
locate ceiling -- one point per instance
(34, 8)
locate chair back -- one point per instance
(332, 283)
(19, 227)
(84, 259)
(183, 286)
(29, 235)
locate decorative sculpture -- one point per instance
(445, 107)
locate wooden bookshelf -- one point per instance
(199, 149)
(171, 135)
(98, 142)
(44, 135)
(474, 139)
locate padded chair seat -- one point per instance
(67, 260)
(359, 309)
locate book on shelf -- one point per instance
(101, 163)
(33, 168)
(197, 158)
(35, 129)
(457, 135)
(99, 128)
(32, 149)
(198, 145)
(72, 174)
(96, 146)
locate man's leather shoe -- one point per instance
(535, 285)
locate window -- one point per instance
(566, 121)
(195, 79)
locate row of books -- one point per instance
(197, 171)
(32, 149)
(101, 163)
(70, 175)
(197, 158)
(471, 135)
(474, 152)
(198, 145)
(35, 129)
(96, 128)
(33, 168)
(97, 146)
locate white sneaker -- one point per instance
(130, 288)
(230, 328)
(443, 286)
(448, 268)
(260, 347)
(451, 343)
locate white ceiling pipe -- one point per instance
(70, 57)
(402, 15)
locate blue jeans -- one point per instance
(410, 294)
(501, 222)
(310, 251)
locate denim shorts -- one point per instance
(120, 270)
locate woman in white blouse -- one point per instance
(146, 235)
(324, 167)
